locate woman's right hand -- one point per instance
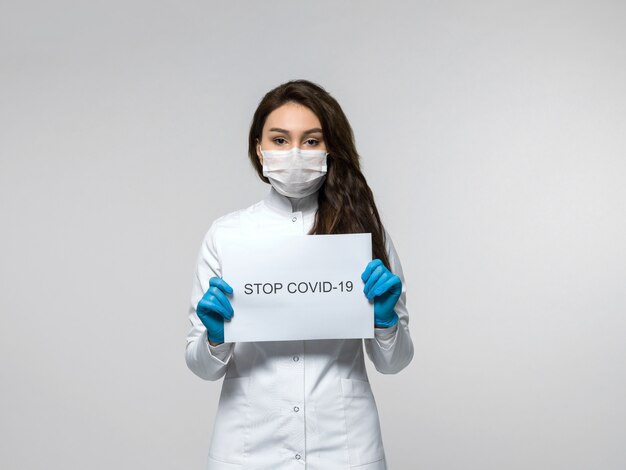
(214, 307)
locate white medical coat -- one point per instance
(303, 405)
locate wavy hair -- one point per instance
(345, 201)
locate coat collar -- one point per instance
(287, 205)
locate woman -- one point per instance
(299, 404)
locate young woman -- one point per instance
(299, 404)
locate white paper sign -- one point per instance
(297, 287)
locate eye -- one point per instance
(312, 142)
(279, 139)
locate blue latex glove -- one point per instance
(385, 288)
(214, 307)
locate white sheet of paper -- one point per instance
(297, 287)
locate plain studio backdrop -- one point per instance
(492, 134)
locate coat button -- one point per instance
(296, 358)
(296, 409)
(294, 219)
(298, 457)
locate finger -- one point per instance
(211, 305)
(390, 284)
(210, 314)
(371, 266)
(221, 284)
(375, 289)
(206, 306)
(373, 279)
(221, 298)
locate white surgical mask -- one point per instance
(295, 172)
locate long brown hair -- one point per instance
(345, 201)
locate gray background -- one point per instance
(492, 135)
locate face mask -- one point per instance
(295, 172)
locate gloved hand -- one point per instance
(214, 307)
(385, 288)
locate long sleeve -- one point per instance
(391, 349)
(206, 361)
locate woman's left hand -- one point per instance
(385, 288)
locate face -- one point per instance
(291, 125)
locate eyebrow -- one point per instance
(284, 131)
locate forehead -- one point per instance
(292, 116)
